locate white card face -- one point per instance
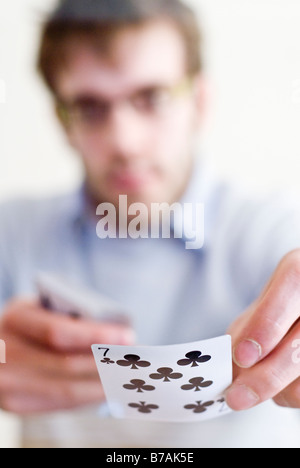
(179, 383)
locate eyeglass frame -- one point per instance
(67, 111)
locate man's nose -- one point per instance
(128, 134)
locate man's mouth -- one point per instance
(132, 179)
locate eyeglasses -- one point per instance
(91, 112)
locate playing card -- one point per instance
(179, 383)
(59, 295)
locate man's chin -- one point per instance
(146, 199)
(120, 199)
(147, 194)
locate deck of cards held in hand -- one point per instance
(61, 296)
(178, 383)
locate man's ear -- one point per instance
(64, 120)
(202, 99)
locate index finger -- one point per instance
(61, 333)
(273, 314)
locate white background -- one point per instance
(252, 51)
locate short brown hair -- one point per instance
(97, 21)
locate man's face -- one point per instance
(134, 115)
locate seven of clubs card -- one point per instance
(179, 383)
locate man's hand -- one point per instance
(50, 365)
(265, 339)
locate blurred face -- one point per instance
(132, 116)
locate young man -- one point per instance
(126, 80)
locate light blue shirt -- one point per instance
(174, 295)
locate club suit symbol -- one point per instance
(107, 361)
(142, 407)
(166, 374)
(199, 407)
(193, 359)
(133, 361)
(139, 385)
(197, 384)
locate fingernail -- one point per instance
(240, 397)
(247, 353)
(282, 401)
